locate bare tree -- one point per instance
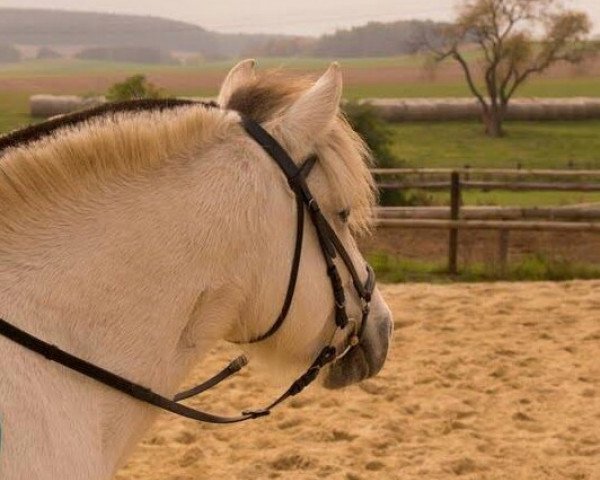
(509, 40)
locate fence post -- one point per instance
(454, 215)
(503, 238)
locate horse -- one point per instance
(138, 240)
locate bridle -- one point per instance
(331, 248)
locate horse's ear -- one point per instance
(240, 74)
(312, 114)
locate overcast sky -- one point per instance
(304, 17)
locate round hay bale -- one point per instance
(390, 109)
(443, 109)
(518, 110)
(590, 107)
(422, 109)
(569, 110)
(467, 109)
(46, 106)
(535, 109)
(555, 110)
(456, 109)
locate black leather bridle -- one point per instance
(331, 247)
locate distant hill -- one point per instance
(86, 29)
(33, 27)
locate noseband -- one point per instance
(331, 248)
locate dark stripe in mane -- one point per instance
(32, 133)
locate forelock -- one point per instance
(267, 95)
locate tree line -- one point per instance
(109, 31)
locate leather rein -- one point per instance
(331, 247)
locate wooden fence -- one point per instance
(503, 219)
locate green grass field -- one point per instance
(535, 267)
(554, 144)
(557, 145)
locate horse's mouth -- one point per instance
(363, 361)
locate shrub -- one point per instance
(133, 88)
(379, 136)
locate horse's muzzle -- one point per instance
(365, 359)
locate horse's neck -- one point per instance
(115, 283)
(104, 272)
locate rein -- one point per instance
(331, 247)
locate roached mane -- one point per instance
(122, 142)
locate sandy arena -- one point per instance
(485, 381)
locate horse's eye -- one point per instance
(344, 215)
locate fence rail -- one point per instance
(489, 185)
(575, 213)
(490, 225)
(456, 217)
(486, 171)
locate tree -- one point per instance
(513, 39)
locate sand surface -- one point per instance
(485, 381)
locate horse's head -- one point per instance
(305, 119)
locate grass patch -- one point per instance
(14, 111)
(551, 145)
(391, 269)
(559, 144)
(510, 199)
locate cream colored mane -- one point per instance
(99, 151)
(79, 159)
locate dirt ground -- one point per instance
(484, 382)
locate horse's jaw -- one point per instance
(364, 360)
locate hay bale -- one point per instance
(563, 111)
(456, 109)
(590, 107)
(421, 109)
(447, 109)
(534, 109)
(389, 109)
(517, 110)
(554, 109)
(46, 106)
